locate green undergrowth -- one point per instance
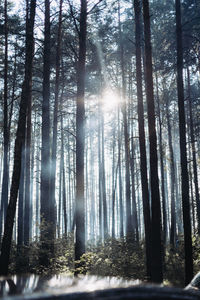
(115, 257)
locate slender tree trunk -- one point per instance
(134, 206)
(63, 182)
(161, 152)
(87, 189)
(121, 230)
(142, 143)
(27, 175)
(172, 179)
(100, 172)
(194, 160)
(178, 199)
(105, 210)
(92, 176)
(113, 186)
(69, 182)
(20, 219)
(4, 193)
(164, 206)
(74, 187)
(37, 193)
(80, 136)
(31, 215)
(156, 267)
(193, 212)
(60, 198)
(46, 209)
(64, 200)
(183, 151)
(13, 94)
(20, 137)
(55, 120)
(129, 229)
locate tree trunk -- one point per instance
(37, 192)
(142, 143)
(80, 136)
(134, 206)
(55, 120)
(161, 152)
(60, 198)
(113, 185)
(121, 213)
(100, 173)
(92, 176)
(27, 175)
(46, 209)
(63, 180)
(156, 267)
(129, 229)
(70, 185)
(182, 133)
(4, 193)
(172, 178)
(31, 215)
(193, 212)
(20, 137)
(104, 201)
(194, 160)
(20, 219)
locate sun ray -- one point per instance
(110, 99)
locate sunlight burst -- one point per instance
(110, 99)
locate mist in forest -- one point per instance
(100, 131)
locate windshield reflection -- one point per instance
(28, 284)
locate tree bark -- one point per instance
(142, 143)
(100, 173)
(63, 180)
(92, 178)
(46, 209)
(27, 175)
(55, 119)
(156, 267)
(129, 229)
(4, 193)
(134, 206)
(37, 192)
(103, 183)
(114, 181)
(20, 219)
(20, 137)
(194, 160)
(172, 178)
(183, 151)
(161, 152)
(121, 213)
(80, 136)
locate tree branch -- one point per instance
(94, 6)
(73, 16)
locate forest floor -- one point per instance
(115, 258)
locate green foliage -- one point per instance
(174, 265)
(26, 259)
(115, 257)
(174, 261)
(119, 258)
(196, 252)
